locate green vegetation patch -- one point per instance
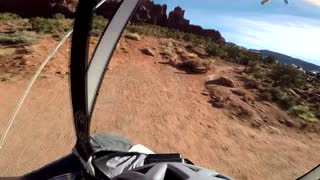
(14, 22)
(286, 75)
(18, 39)
(215, 50)
(163, 32)
(58, 16)
(99, 23)
(304, 113)
(5, 17)
(48, 26)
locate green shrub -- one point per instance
(214, 50)
(251, 83)
(233, 50)
(56, 36)
(18, 25)
(147, 31)
(49, 26)
(287, 76)
(5, 17)
(14, 22)
(236, 52)
(316, 111)
(304, 113)
(187, 37)
(195, 39)
(280, 96)
(58, 16)
(246, 56)
(99, 23)
(163, 32)
(255, 69)
(277, 93)
(17, 39)
(266, 96)
(240, 54)
(208, 63)
(253, 66)
(259, 74)
(271, 60)
(287, 102)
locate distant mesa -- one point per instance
(148, 12)
(285, 59)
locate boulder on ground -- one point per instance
(239, 92)
(224, 81)
(179, 50)
(173, 62)
(217, 104)
(194, 66)
(148, 52)
(186, 56)
(199, 50)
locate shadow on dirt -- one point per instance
(187, 68)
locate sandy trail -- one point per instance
(152, 104)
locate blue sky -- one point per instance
(292, 29)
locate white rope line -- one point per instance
(26, 92)
(35, 76)
(99, 4)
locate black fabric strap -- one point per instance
(157, 158)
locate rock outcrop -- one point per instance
(176, 19)
(151, 13)
(156, 14)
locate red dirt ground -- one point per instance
(156, 105)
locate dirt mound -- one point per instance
(222, 81)
(193, 66)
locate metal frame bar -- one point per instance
(86, 79)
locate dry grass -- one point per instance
(18, 39)
(6, 78)
(7, 51)
(133, 36)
